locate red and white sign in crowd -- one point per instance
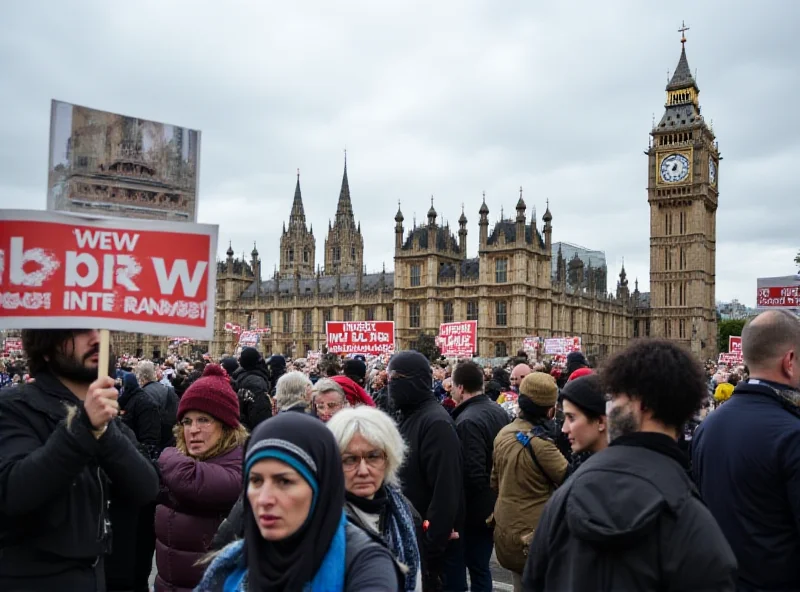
(778, 292)
(561, 345)
(458, 340)
(360, 337)
(61, 271)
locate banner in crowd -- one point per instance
(778, 292)
(458, 340)
(360, 337)
(12, 345)
(248, 339)
(232, 328)
(112, 165)
(60, 271)
(735, 348)
(561, 345)
(729, 359)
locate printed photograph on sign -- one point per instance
(112, 165)
(59, 271)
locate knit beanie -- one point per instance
(579, 373)
(249, 358)
(586, 393)
(230, 364)
(212, 394)
(355, 368)
(539, 388)
(353, 391)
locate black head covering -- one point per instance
(249, 358)
(587, 393)
(277, 364)
(230, 364)
(410, 380)
(291, 563)
(575, 360)
(355, 369)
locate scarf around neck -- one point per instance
(398, 530)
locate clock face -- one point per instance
(712, 171)
(674, 168)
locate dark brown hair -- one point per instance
(40, 344)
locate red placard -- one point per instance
(64, 272)
(735, 349)
(360, 337)
(458, 340)
(778, 297)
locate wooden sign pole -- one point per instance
(103, 358)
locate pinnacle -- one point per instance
(682, 78)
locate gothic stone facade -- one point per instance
(510, 287)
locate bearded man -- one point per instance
(60, 452)
(635, 520)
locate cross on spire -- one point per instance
(682, 31)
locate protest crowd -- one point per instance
(396, 472)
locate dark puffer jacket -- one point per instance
(255, 409)
(195, 499)
(167, 401)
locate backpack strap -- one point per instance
(525, 440)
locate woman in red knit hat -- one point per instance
(201, 479)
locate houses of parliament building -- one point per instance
(519, 284)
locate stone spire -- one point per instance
(298, 215)
(344, 209)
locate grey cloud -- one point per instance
(450, 99)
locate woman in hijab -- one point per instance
(296, 534)
(372, 453)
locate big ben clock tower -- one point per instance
(683, 163)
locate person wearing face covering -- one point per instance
(432, 476)
(296, 534)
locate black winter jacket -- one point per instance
(142, 416)
(747, 466)
(432, 475)
(167, 401)
(54, 487)
(478, 420)
(253, 411)
(629, 519)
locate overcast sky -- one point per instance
(447, 98)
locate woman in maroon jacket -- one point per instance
(201, 479)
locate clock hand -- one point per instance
(674, 167)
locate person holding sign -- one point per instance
(60, 451)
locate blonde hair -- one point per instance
(375, 427)
(230, 439)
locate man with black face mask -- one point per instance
(59, 451)
(432, 474)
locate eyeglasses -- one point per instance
(375, 459)
(202, 422)
(331, 406)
